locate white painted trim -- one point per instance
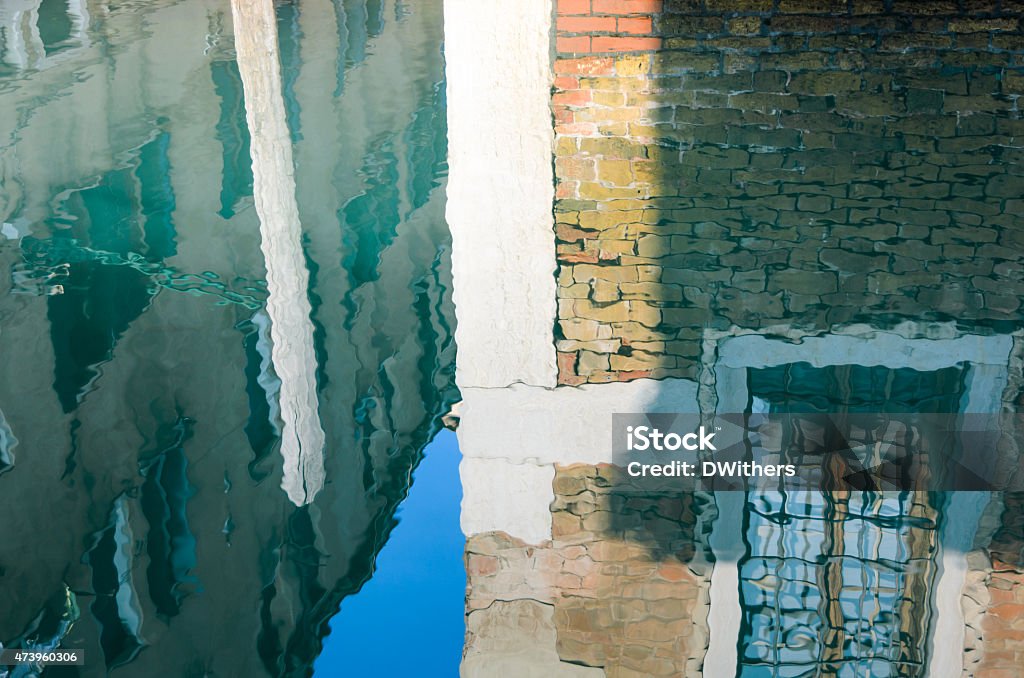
(563, 425)
(987, 356)
(501, 495)
(501, 190)
(725, 614)
(512, 437)
(737, 353)
(946, 658)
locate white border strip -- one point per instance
(501, 190)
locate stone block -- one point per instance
(639, 360)
(605, 313)
(688, 25)
(763, 102)
(615, 172)
(604, 291)
(746, 25)
(650, 291)
(586, 273)
(825, 83)
(973, 25)
(888, 283)
(602, 220)
(814, 203)
(739, 5)
(654, 246)
(1005, 186)
(812, 6)
(635, 332)
(590, 362)
(685, 317)
(851, 262)
(802, 282)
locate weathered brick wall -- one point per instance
(753, 163)
(627, 574)
(1002, 650)
(999, 617)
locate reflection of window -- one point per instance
(233, 134)
(289, 37)
(116, 607)
(835, 584)
(170, 544)
(99, 301)
(374, 17)
(801, 387)
(838, 583)
(56, 28)
(127, 214)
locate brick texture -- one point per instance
(807, 163)
(627, 573)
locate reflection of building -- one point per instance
(137, 357)
(35, 31)
(717, 229)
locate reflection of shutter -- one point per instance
(156, 198)
(56, 27)
(233, 134)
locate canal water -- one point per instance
(148, 407)
(227, 359)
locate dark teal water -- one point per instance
(141, 398)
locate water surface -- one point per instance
(200, 477)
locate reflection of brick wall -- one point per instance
(808, 162)
(998, 619)
(1002, 626)
(625, 573)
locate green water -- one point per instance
(140, 416)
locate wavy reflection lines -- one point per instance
(292, 353)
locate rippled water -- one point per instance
(157, 515)
(221, 445)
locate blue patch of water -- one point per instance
(415, 599)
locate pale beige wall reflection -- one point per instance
(291, 329)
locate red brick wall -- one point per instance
(604, 26)
(589, 33)
(752, 164)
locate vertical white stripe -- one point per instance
(501, 190)
(291, 329)
(946, 659)
(725, 615)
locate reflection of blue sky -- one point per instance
(408, 619)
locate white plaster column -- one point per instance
(501, 190)
(961, 517)
(500, 199)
